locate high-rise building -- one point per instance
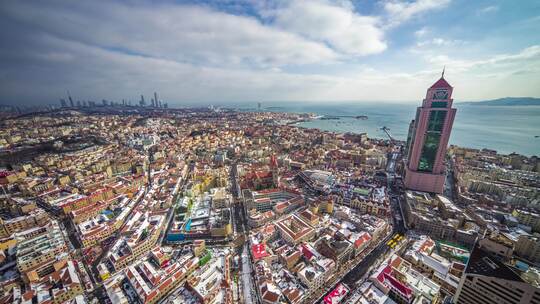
(156, 99)
(428, 139)
(70, 100)
(142, 102)
(409, 137)
(488, 280)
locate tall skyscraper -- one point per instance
(70, 100)
(488, 280)
(142, 102)
(428, 139)
(156, 99)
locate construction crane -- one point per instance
(387, 131)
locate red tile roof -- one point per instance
(386, 277)
(404, 290)
(427, 245)
(361, 240)
(268, 295)
(336, 295)
(307, 253)
(259, 251)
(5, 173)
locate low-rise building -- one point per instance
(153, 283)
(293, 229)
(403, 284)
(61, 286)
(438, 217)
(35, 218)
(37, 253)
(142, 230)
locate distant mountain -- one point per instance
(507, 101)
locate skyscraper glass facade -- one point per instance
(431, 141)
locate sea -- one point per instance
(505, 129)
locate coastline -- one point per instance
(506, 129)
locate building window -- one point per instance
(439, 104)
(431, 141)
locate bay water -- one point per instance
(506, 129)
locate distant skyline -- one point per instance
(225, 51)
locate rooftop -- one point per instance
(482, 263)
(441, 83)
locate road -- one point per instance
(249, 294)
(449, 182)
(181, 183)
(391, 166)
(239, 212)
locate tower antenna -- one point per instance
(442, 75)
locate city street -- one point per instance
(248, 288)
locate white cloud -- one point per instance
(337, 25)
(95, 73)
(175, 32)
(400, 11)
(199, 55)
(439, 42)
(421, 32)
(488, 9)
(510, 62)
(513, 74)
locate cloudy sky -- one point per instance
(245, 51)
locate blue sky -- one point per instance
(194, 52)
